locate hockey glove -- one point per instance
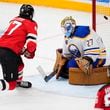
(84, 64)
(30, 50)
(29, 55)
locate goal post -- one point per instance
(102, 8)
(94, 14)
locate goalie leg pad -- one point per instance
(100, 75)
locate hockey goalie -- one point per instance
(83, 51)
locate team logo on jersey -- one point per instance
(73, 49)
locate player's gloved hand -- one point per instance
(22, 51)
(30, 50)
(29, 55)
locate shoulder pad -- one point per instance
(81, 31)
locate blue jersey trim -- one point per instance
(91, 54)
(92, 48)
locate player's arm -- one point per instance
(30, 46)
(31, 43)
(90, 54)
(94, 47)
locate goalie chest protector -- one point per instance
(100, 75)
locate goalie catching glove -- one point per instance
(84, 64)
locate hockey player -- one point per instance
(82, 48)
(19, 39)
(103, 98)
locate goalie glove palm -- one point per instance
(84, 64)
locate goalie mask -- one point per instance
(74, 51)
(68, 25)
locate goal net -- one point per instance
(100, 13)
(101, 21)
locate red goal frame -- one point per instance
(94, 14)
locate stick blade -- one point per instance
(46, 78)
(50, 76)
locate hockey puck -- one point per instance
(106, 17)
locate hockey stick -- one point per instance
(45, 77)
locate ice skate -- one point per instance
(24, 84)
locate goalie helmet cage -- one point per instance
(102, 8)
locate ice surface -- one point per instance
(54, 95)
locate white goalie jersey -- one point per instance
(84, 42)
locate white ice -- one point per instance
(56, 94)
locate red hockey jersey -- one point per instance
(18, 32)
(103, 98)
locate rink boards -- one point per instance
(65, 4)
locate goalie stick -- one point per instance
(45, 77)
